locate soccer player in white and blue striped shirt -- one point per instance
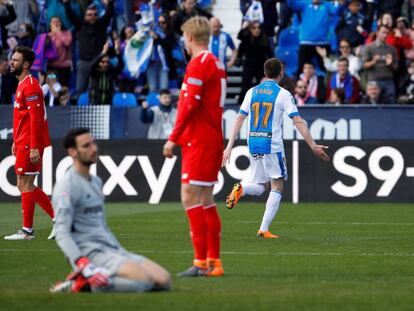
(263, 106)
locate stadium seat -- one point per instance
(153, 99)
(288, 37)
(83, 99)
(173, 84)
(204, 4)
(296, 21)
(289, 56)
(124, 100)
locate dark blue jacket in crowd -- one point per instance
(347, 28)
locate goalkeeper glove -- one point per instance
(96, 276)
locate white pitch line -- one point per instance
(313, 223)
(319, 254)
(308, 223)
(5, 250)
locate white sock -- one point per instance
(252, 189)
(272, 205)
(30, 230)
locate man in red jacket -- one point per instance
(30, 137)
(198, 131)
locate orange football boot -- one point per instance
(215, 268)
(266, 235)
(234, 196)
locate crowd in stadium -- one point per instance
(346, 51)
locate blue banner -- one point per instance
(379, 122)
(351, 122)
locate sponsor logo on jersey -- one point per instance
(261, 134)
(194, 81)
(32, 98)
(16, 105)
(93, 210)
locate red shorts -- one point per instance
(23, 165)
(200, 166)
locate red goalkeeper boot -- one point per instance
(74, 283)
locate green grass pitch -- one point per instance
(329, 257)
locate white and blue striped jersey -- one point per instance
(218, 45)
(264, 105)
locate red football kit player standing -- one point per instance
(30, 137)
(198, 130)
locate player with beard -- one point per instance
(100, 263)
(30, 137)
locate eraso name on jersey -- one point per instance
(264, 91)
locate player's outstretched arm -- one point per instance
(234, 132)
(318, 150)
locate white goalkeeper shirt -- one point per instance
(80, 221)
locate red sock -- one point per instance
(213, 231)
(198, 232)
(28, 206)
(43, 200)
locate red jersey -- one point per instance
(200, 105)
(30, 128)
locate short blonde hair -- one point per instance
(199, 27)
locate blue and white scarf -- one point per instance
(255, 12)
(138, 50)
(345, 84)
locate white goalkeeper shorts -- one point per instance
(265, 167)
(112, 259)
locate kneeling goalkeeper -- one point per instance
(99, 262)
